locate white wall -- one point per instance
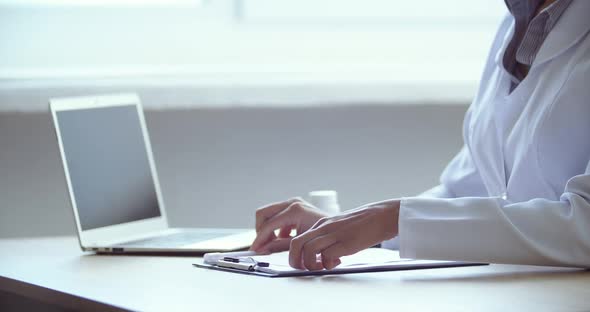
(217, 166)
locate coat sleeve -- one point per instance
(490, 229)
(459, 177)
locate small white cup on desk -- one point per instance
(325, 200)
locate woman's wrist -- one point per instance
(390, 219)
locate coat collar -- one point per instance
(572, 26)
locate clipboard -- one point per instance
(365, 261)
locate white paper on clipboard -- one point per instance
(368, 260)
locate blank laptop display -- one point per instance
(108, 165)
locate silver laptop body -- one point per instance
(113, 184)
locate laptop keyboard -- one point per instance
(175, 239)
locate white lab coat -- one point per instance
(519, 190)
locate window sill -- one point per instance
(244, 90)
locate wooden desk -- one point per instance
(56, 272)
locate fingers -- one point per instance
(330, 264)
(277, 245)
(331, 255)
(313, 248)
(259, 242)
(267, 212)
(285, 232)
(286, 218)
(305, 248)
(333, 239)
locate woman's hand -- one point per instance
(284, 216)
(343, 235)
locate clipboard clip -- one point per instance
(241, 263)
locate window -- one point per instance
(393, 12)
(243, 42)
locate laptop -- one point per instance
(113, 184)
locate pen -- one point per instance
(246, 260)
(213, 257)
(236, 265)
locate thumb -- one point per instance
(266, 232)
(262, 240)
(331, 263)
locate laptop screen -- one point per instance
(108, 165)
